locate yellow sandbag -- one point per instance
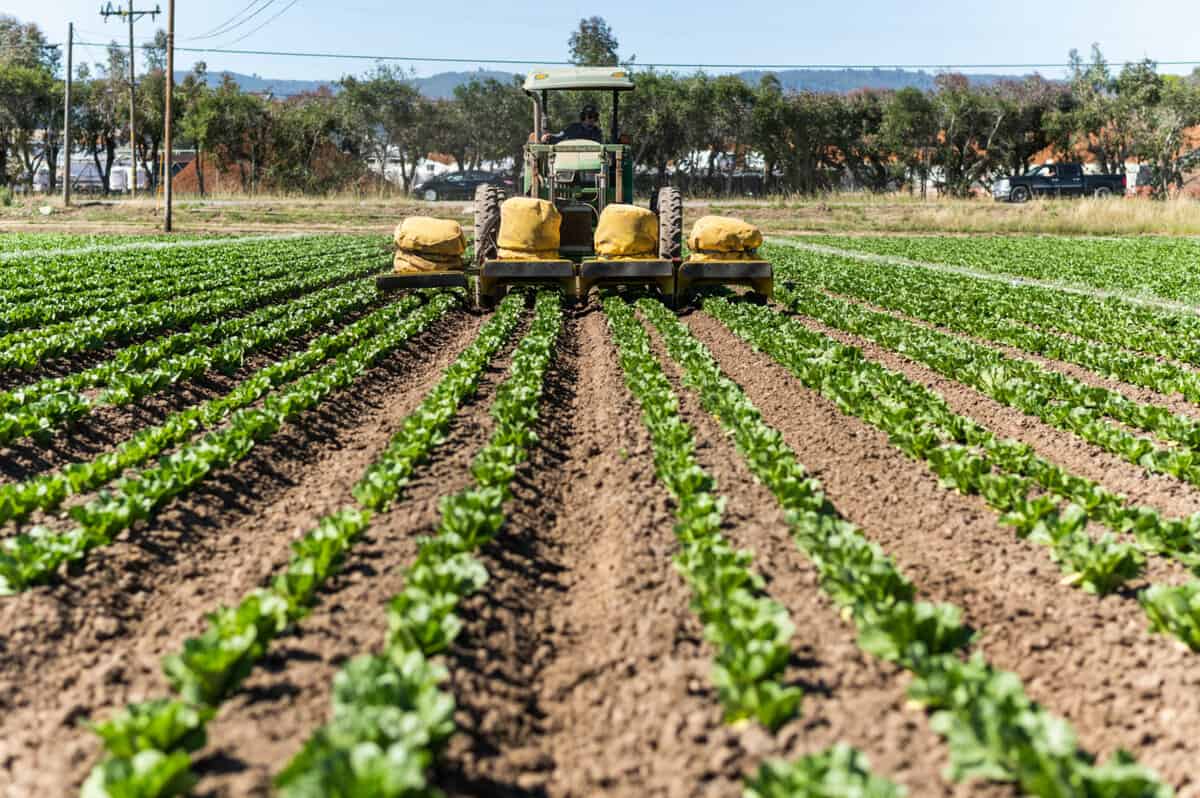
(699, 256)
(529, 227)
(430, 236)
(409, 262)
(723, 234)
(626, 231)
(521, 254)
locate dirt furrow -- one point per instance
(88, 645)
(107, 425)
(849, 696)
(1162, 492)
(1088, 659)
(1173, 402)
(259, 730)
(581, 670)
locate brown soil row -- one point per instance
(261, 728)
(107, 426)
(86, 646)
(581, 670)
(1088, 659)
(1162, 492)
(850, 696)
(1173, 402)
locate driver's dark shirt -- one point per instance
(578, 130)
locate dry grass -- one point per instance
(223, 214)
(834, 213)
(898, 213)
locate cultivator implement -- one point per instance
(575, 226)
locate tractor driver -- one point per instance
(588, 127)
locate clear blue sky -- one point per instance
(698, 31)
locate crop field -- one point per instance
(924, 524)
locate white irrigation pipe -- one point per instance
(140, 245)
(1007, 279)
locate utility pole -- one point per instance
(132, 14)
(167, 123)
(67, 119)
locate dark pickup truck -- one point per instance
(1057, 180)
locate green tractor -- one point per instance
(581, 177)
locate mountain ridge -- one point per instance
(442, 85)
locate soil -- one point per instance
(269, 719)
(1088, 659)
(1174, 402)
(581, 669)
(849, 695)
(86, 646)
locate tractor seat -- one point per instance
(589, 157)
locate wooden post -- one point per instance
(132, 107)
(167, 123)
(67, 119)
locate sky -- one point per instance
(662, 31)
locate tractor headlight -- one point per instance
(565, 175)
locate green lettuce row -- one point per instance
(1052, 397)
(47, 491)
(750, 631)
(838, 772)
(994, 730)
(316, 284)
(39, 419)
(33, 558)
(192, 278)
(211, 276)
(980, 311)
(28, 348)
(919, 424)
(1163, 267)
(390, 717)
(45, 276)
(919, 421)
(212, 666)
(1110, 320)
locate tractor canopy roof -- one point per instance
(579, 79)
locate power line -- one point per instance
(277, 15)
(233, 22)
(656, 65)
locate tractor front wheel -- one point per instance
(487, 221)
(670, 223)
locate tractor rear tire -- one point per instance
(670, 223)
(487, 221)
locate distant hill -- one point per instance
(441, 85)
(841, 81)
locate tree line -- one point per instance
(705, 133)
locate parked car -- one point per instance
(459, 185)
(1057, 180)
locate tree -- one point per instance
(593, 44)
(102, 111)
(389, 116)
(197, 113)
(656, 122)
(968, 120)
(1160, 134)
(24, 45)
(909, 129)
(27, 101)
